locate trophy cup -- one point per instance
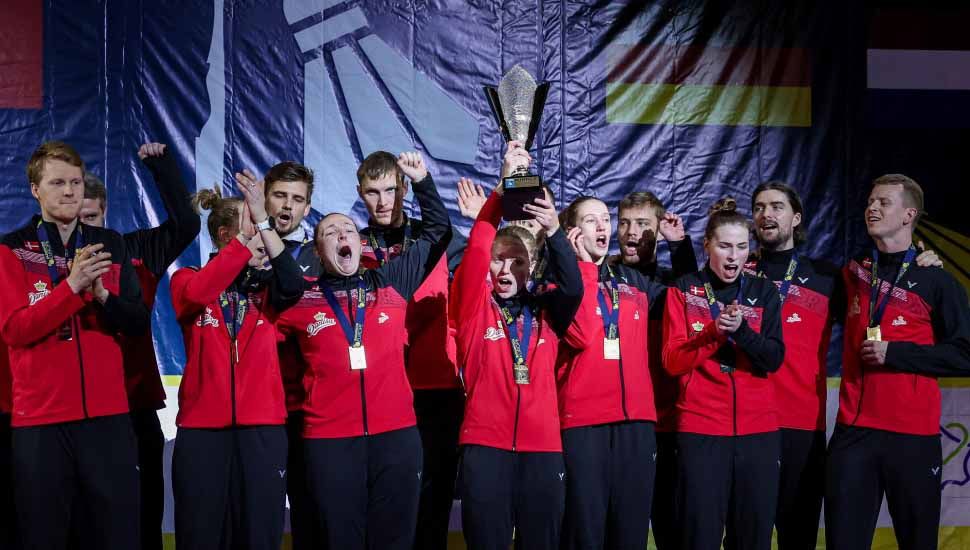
(517, 104)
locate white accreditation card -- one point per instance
(358, 361)
(611, 348)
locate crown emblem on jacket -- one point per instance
(42, 292)
(321, 321)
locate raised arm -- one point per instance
(406, 272)
(193, 290)
(682, 258)
(471, 278)
(160, 246)
(562, 301)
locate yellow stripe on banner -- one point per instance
(945, 383)
(172, 380)
(953, 247)
(708, 105)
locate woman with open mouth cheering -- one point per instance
(512, 473)
(722, 337)
(606, 401)
(361, 445)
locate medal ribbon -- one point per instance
(610, 312)
(511, 327)
(377, 243)
(355, 333)
(877, 310)
(786, 282)
(69, 251)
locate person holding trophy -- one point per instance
(512, 476)
(512, 472)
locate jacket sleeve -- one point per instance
(765, 349)
(456, 249)
(654, 290)
(193, 290)
(682, 258)
(562, 302)
(469, 289)
(286, 285)
(950, 355)
(160, 246)
(582, 331)
(22, 324)
(406, 272)
(681, 353)
(126, 312)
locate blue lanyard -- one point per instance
(789, 275)
(234, 306)
(69, 251)
(377, 243)
(877, 311)
(610, 312)
(295, 251)
(520, 348)
(355, 333)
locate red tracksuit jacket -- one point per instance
(341, 402)
(216, 390)
(430, 352)
(151, 252)
(816, 297)
(292, 363)
(927, 325)
(4, 379)
(714, 400)
(56, 379)
(594, 390)
(498, 412)
(665, 386)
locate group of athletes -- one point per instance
(569, 398)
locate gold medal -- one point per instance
(521, 374)
(874, 333)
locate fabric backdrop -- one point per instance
(690, 99)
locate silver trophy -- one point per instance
(517, 104)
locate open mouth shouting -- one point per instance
(631, 247)
(768, 227)
(283, 219)
(602, 241)
(505, 284)
(345, 258)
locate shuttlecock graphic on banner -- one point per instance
(387, 99)
(348, 69)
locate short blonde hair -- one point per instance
(51, 150)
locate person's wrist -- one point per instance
(265, 225)
(76, 287)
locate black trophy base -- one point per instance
(519, 191)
